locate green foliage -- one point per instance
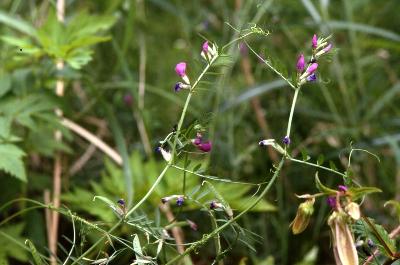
(11, 161)
(378, 234)
(10, 241)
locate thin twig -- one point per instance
(93, 139)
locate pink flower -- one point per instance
(180, 69)
(327, 48)
(205, 47)
(314, 41)
(300, 63)
(312, 68)
(205, 147)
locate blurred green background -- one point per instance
(113, 49)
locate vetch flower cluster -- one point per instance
(308, 74)
(208, 51)
(202, 145)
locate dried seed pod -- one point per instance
(343, 243)
(303, 215)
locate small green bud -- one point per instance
(303, 215)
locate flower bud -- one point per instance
(353, 209)
(300, 63)
(180, 200)
(286, 140)
(180, 69)
(165, 154)
(303, 215)
(179, 86)
(344, 247)
(314, 41)
(312, 78)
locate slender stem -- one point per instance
(225, 225)
(315, 165)
(182, 118)
(159, 178)
(289, 126)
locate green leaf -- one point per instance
(358, 192)
(12, 242)
(137, 248)
(5, 84)
(321, 159)
(36, 257)
(304, 155)
(378, 234)
(17, 24)
(332, 165)
(322, 188)
(11, 161)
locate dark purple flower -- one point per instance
(312, 78)
(312, 68)
(178, 87)
(180, 200)
(331, 200)
(300, 63)
(213, 205)
(165, 199)
(286, 140)
(314, 41)
(205, 147)
(121, 202)
(180, 69)
(342, 188)
(192, 224)
(128, 99)
(205, 47)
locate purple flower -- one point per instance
(312, 68)
(314, 41)
(312, 78)
(300, 63)
(180, 200)
(205, 47)
(121, 202)
(370, 243)
(327, 48)
(178, 86)
(342, 188)
(198, 139)
(180, 69)
(286, 140)
(205, 147)
(128, 99)
(331, 200)
(215, 205)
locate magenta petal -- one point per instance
(205, 147)
(314, 41)
(312, 68)
(205, 47)
(328, 48)
(180, 69)
(300, 63)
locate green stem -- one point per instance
(315, 165)
(289, 126)
(225, 225)
(182, 118)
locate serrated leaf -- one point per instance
(322, 188)
(378, 235)
(11, 161)
(358, 192)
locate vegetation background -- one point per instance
(119, 76)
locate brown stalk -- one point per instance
(177, 232)
(53, 220)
